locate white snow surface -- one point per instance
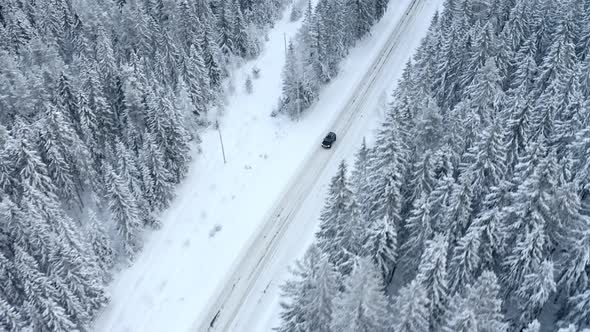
(220, 206)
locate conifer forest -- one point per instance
(471, 210)
(100, 103)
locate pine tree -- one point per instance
(560, 59)
(65, 155)
(380, 8)
(291, 102)
(478, 308)
(381, 245)
(157, 180)
(532, 204)
(322, 296)
(42, 311)
(419, 228)
(535, 290)
(525, 76)
(241, 39)
(570, 119)
(197, 81)
(484, 298)
(227, 24)
(485, 93)
(386, 169)
(211, 56)
(359, 179)
(527, 253)
(124, 211)
(465, 261)
(411, 313)
(101, 244)
(294, 311)
(429, 125)
(460, 317)
(31, 169)
(459, 212)
(517, 130)
(432, 274)
(420, 179)
(351, 238)
(363, 305)
(486, 159)
(334, 236)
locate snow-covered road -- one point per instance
(249, 290)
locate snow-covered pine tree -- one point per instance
(380, 8)
(335, 221)
(477, 308)
(322, 296)
(410, 309)
(157, 179)
(241, 40)
(486, 161)
(41, 310)
(386, 168)
(432, 275)
(295, 291)
(359, 179)
(291, 98)
(362, 15)
(465, 261)
(419, 229)
(422, 179)
(197, 80)
(124, 211)
(363, 305)
(537, 287)
(459, 213)
(100, 244)
(560, 59)
(429, 126)
(381, 246)
(227, 26)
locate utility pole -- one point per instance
(285, 37)
(299, 97)
(221, 141)
(298, 100)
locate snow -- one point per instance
(219, 206)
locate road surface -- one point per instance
(245, 274)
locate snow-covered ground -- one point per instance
(219, 206)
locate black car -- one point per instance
(329, 140)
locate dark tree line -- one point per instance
(99, 103)
(471, 211)
(329, 30)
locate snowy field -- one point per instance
(219, 206)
